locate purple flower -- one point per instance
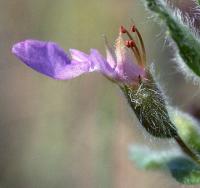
(120, 65)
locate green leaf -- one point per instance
(181, 168)
(184, 171)
(187, 127)
(182, 33)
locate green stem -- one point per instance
(187, 150)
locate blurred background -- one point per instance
(72, 134)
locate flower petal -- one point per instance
(120, 50)
(84, 58)
(79, 56)
(49, 59)
(110, 54)
(129, 73)
(99, 63)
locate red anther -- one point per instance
(127, 43)
(133, 28)
(131, 43)
(123, 30)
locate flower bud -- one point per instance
(148, 103)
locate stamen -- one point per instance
(123, 30)
(140, 52)
(127, 44)
(134, 29)
(134, 47)
(131, 44)
(136, 51)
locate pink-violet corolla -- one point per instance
(120, 65)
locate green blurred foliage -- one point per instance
(181, 168)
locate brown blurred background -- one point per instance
(72, 134)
